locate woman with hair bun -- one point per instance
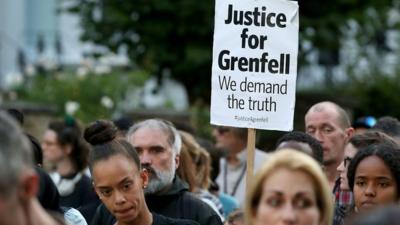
(118, 178)
(64, 148)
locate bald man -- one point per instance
(330, 125)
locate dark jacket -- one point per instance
(178, 203)
(162, 220)
(83, 197)
(48, 195)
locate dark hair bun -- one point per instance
(100, 132)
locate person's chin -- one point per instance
(365, 206)
(219, 145)
(344, 188)
(125, 214)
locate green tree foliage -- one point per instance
(328, 17)
(177, 34)
(376, 94)
(174, 35)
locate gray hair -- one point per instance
(173, 137)
(15, 154)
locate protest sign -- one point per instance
(254, 66)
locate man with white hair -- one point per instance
(158, 144)
(19, 182)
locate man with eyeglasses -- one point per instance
(330, 125)
(232, 175)
(356, 143)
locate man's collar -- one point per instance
(242, 156)
(240, 159)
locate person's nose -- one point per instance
(288, 215)
(119, 198)
(370, 190)
(340, 168)
(319, 136)
(215, 133)
(145, 158)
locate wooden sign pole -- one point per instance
(251, 145)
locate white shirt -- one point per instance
(232, 179)
(74, 217)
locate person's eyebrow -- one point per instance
(274, 191)
(125, 179)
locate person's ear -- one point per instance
(349, 133)
(177, 161)
(144, 175)
(29, 185)
(67, 149)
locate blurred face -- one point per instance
(374, 184)
(15, 203)
(226, 139)
(324, 126)
(8, 209)
(288, 197)
(52, 150)
(156, 156)
(119, 184)
(349, 153)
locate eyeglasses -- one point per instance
(347, 161)
(222, 130)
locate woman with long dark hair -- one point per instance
(64, 148)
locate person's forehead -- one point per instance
(325, 116)
(50, 133)
(281, 177)
(373, 164)
(113, 170)
(149, 136)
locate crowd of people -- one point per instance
(153, 172)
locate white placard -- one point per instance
(254, 66)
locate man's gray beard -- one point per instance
(160, 179)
